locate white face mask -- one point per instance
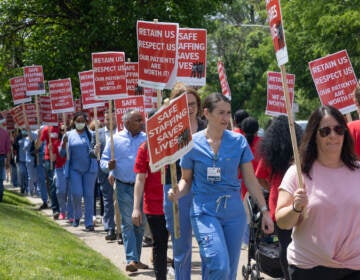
(79, 126)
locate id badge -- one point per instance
(214, 174)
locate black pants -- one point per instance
(160, 236)
(284, 239)
(322, 272)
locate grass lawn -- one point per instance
(34, 247)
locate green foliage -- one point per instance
(34, 247)
(61, 35)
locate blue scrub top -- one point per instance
(233, 151)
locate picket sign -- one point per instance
(278, 36)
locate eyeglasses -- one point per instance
(192, 104)
(326, 130)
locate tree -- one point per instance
(61, 35)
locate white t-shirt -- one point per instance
(330, 233)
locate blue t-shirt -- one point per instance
(233, 151)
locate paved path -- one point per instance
(115, 252)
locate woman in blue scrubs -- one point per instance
(210, 170)
(81, 169)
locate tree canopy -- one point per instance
(61, 35)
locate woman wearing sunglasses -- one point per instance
(324, 215)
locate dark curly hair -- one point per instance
(276, 147)
(308, 147)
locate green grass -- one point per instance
(34, 247)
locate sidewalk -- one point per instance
(115, 252)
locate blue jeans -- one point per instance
(182, 246)
(42, 182)
(132, 235)
(108, 198)
(23, 176)
(2, 175)
(51, 184)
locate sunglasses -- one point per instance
(326, 130)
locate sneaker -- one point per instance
(70, 220)
(131, 266)
(62, 216)
(76, 223)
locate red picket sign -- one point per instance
(275, 104)
(87, 88)
(335, 81)
(47, 117)
(34, 80)
(109, 75)
(61, 96)
(192, 56)
(157, 53)
(124, 104)
(18, 90)
(169, 133)
(225, 89)
(277, 30)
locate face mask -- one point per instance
(79, 126)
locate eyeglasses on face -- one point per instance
(192, 104)
(326, 130)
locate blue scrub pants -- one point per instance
(108, 199)
(131, 234)
(83, 185)
(218, 223)
(182, 247)
(63, 192)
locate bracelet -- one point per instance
(295, 210)
(263, 209)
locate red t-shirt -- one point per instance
(264, 172)
(60, 161)
(354, 129)
(54, 135)
(254, 162)
(153, 189)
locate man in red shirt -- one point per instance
(52, 133)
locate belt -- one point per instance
(126, 183)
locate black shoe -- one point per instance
(120, 240)
(56, 215)
(147, 242)
(43, 206)
(110, 235)
(89, 229)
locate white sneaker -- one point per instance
(170, 273)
